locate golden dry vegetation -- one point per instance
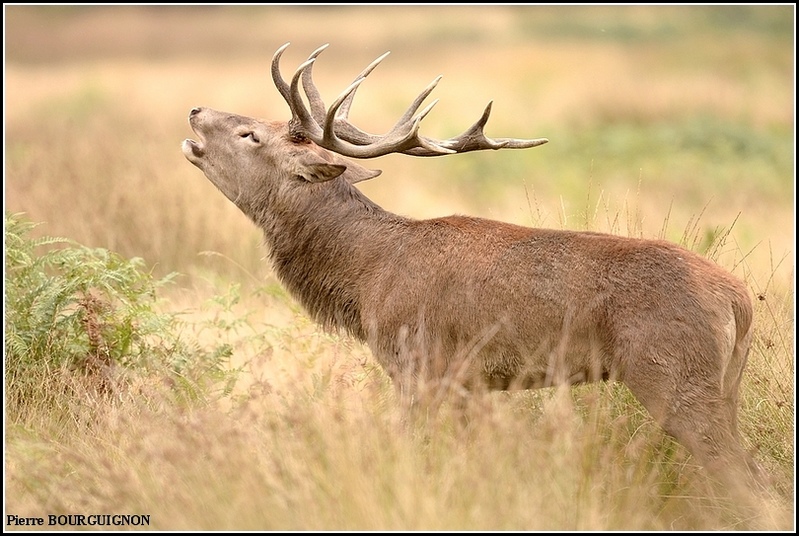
(666, 121)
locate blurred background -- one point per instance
(664, 121)
(672, 122)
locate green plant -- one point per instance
(81, 318)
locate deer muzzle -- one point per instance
(193, 150)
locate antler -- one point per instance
(329, 128)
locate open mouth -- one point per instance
(193, 149)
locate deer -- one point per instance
(468, 304)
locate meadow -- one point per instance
(228, 409)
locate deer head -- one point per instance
(250, 160)
(249, 151)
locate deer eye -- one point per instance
(252, 135)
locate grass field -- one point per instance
(673, 122)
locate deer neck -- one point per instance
(324, 245)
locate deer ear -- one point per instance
(327, 166)
(357, 173)
(319, 166)
(318, 172)
(351, 172)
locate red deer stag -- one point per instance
(472, 302)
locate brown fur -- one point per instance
(488, 304)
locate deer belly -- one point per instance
(549, 362)
(501, 355)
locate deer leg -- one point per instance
(698, 414)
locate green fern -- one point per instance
(88, 311)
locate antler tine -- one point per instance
(431, 147)
(419, 100)
(281, 84)
(291, 94)
(404, 135)
(474, 139)
(401, 137)
(307, 124)
(314, 98)
(401, 132)
(426, 111)
(347, 94)
(333, 112)
(476, 130)
(344, 110)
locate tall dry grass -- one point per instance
(672, 122)
(312, 439)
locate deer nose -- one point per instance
(195, 111)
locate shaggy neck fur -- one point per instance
(325, 245)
